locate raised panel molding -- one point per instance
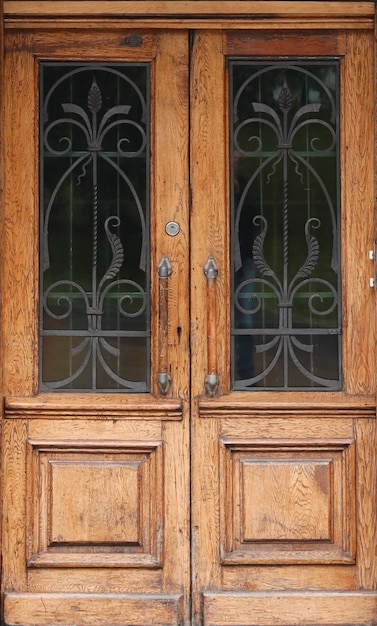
(95, 505)
(93, 406)
(237, 405)
(286, 502)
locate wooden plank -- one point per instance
(209, 173)
(89, 433)
(80, 44)
(19, 269)
(290, 577)
(170, 201)
(289, 608)
(181, 7)
(288, 404)
(366, 434)
(92, 609)
(170, 182)
(357, 210)
(209, 176)
(94, 580)
(14, 504)
(124, 406)
(257, 42)
(169, 22)
(293, 429)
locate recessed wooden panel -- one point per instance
(95, 506)
(287, 502)
(103, 507)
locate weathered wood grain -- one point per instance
(92, 609)
(91, 480)
(293, 608)
(283, 485)
(276, 8)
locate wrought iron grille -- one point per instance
(286, 324)
(94, 233)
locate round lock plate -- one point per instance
(172, 228)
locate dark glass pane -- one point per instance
(285, 224)
(94, 144)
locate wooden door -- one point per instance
(284, 465)
(206, 496)
(96, 494)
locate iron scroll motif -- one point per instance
(285, 218)
(95, 277)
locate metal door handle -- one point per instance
(211, 382)
(163, 378)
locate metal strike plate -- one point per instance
(172, 228)
(372, 257)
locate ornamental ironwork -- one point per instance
(285, 204)
(94, 322)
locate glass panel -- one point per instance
(285, 219)
(94, 238)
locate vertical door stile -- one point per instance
(209, 237)
(18, 307)
(172, 204)
(357, 235)
(359, 147)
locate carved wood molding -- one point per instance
(342, 407)
(277, 492)
(258, 14)
(104, 528)
(97, 406)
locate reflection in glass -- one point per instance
(285, 221)
(94, 170)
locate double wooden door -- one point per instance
(209, 494)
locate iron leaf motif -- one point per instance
(94, 98)
(258, 255)
(313, 251)
(285, 99)
(117, 250)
